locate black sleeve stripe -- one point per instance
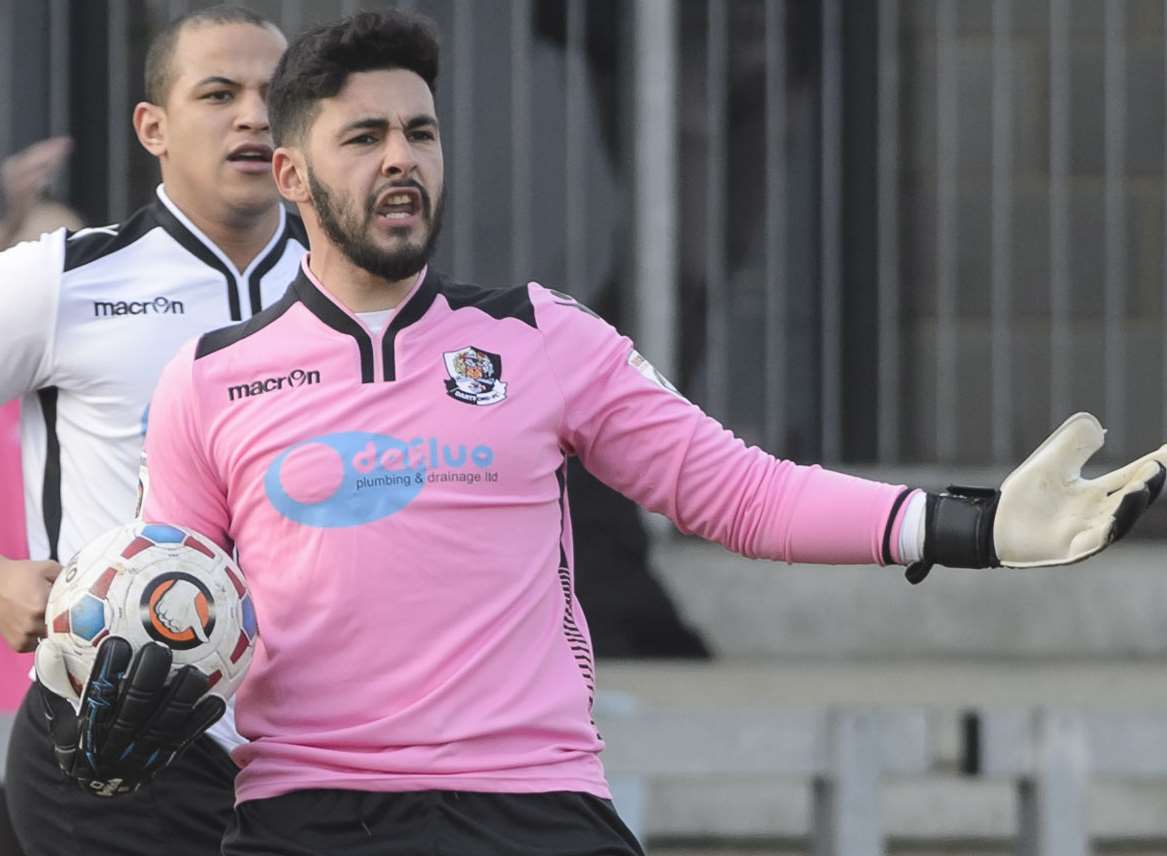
(891, 519)
(51, 489)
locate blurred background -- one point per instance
(902, 238)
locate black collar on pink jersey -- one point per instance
(497, 303)
(328, 312)
(408, 314)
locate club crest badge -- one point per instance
(475, 376)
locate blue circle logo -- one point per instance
(345, 479)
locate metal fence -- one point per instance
(910, 231)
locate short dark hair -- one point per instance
(318, 63)
(159, 56)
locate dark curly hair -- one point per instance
(318, 63)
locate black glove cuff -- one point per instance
(958, 527)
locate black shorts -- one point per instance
(183, 812)
(429, 823)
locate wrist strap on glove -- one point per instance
(958, 531)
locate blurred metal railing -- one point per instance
(842, 755)
(949, 310)
(1052, 756)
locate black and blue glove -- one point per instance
(134, 717)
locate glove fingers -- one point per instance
(101, 691)
(1068, 448)
(167, 726)
(52, 673)
(62, 727)
(138, 699)
(1119, 512)
(109, 667)
(1155, 485)
(206, 713)
(177, 721)
(1146, 478)
(1129, 510)
(1138, 470)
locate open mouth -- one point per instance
(400, 204)
(251, 153)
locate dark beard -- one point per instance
(349, 233)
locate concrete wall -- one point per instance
(1114, 606)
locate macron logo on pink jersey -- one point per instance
(293, 379)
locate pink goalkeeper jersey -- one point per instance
(398, 505)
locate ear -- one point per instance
(150, 126)
(290, 171)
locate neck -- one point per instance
(353, 286)
(241, 235)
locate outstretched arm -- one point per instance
(632, 430)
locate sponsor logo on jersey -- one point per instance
(157, 306)
(475, 376)
(292, 380)
(355, 477)
(178, 610)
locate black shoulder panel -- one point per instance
(224, 337)
(496, 302)
(83, 249)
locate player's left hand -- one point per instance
(1045, 512)
(131, 722)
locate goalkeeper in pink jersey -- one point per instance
(385, 447)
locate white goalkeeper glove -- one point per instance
(1044, 513)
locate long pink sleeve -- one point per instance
(641, 438)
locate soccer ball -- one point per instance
(149, 582)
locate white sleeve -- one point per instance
(30, 284)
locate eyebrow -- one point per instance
(222, 81)
(379, 123)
